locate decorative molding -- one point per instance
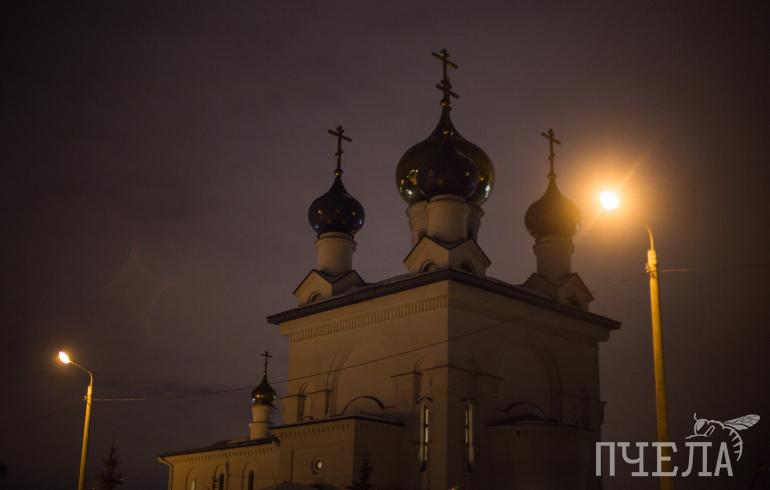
(218, 454)
(314, 429)
(443, 300)
(348, 425)
(365, 319)
(504, 315)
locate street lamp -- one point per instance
(64, 358)
(610, 201)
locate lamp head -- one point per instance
(609, 200)
(64, 358)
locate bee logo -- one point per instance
(706, 428)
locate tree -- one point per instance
(364, 475)
(109, 478)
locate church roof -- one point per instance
(409, 281)
(238, 443)
(357, 416)
(217, 446)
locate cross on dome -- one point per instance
(445, 86)
(267, 357)
(340, 134)
(551, 137)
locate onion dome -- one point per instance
(553, 215)
(448, 171)
(408, 167)
(264, 394)
(336, 211)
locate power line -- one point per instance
(417, 349)
(344, 368)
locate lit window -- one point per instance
(424, 437)
(193, 483)
(470, 450)
(317, 466)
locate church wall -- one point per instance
(235, 463)
(329, 452)
(326, 348)
(539, 362)
(527, 362)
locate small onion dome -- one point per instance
(448, 171)
(553, 214)
(264, 394)
(336, 210)
(409, 165)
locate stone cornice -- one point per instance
(412, 281)
(316, 427)
(211, 454)
(436, 302)
(369, 318)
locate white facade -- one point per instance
(367, 364)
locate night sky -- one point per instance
(158, 162)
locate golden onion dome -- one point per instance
(553, 215)
(264, 394)
(448, 172)
(408, 167)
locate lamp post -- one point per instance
(610, 201)
(65, 359)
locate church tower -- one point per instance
(444, 180)
(553, 220)
(440, 378)
(335, 216)
(262, 399)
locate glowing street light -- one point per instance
(64, 358)
(610, 201)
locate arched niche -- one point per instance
(361, 369)
(528, 374)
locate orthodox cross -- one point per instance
(340, 134)
(551, 137)
(267, 357)
(444, 85)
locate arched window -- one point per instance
(221, 482)
(251, 480)
(192, 480)
(424, 436)
(470, 449)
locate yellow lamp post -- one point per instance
(65, 359)
(610, 201)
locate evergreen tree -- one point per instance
(364, 475)
(109, 478)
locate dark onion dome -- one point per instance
(553, 215)
(448, 171)
(409, 165)
(336, 210)
(264, 394)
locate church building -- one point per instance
(440, 378)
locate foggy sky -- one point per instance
(158, 162)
